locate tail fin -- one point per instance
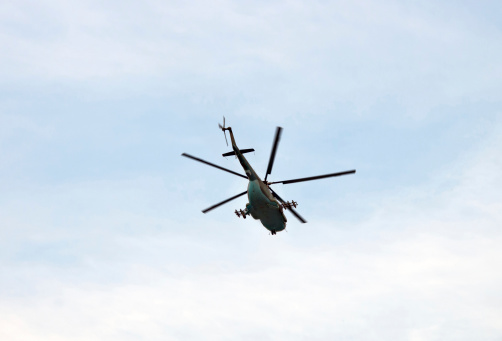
(243, 151)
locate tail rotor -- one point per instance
(223, 128)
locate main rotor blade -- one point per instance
(278, 132)
(223, 202)
(299, 217)
(285, 182)
(213, 165)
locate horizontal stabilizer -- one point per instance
(242, 152)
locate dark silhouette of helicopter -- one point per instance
(264, 203)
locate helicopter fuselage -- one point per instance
(262, 205)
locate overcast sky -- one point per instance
(101, 231)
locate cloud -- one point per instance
(101, 234)
(423, 265)
(235, 40)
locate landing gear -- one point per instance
(273, 233)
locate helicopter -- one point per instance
(264, 203)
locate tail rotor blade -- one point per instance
(277, 138)
(223, 129)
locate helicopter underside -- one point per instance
(263, 200)
(269, 212)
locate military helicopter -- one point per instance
(264, 203)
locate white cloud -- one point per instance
(131, 257)
(424, 266)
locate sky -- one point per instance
(101, 231)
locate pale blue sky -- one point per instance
(101, 231)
